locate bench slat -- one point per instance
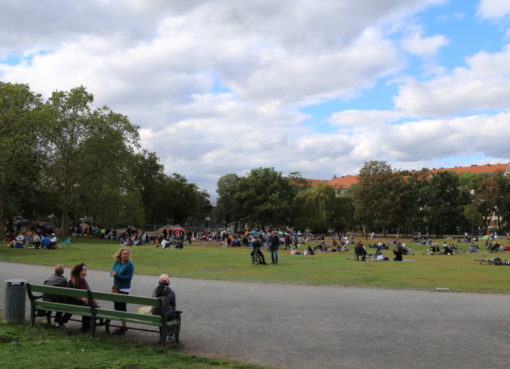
(65, 308)
(119, 297)
(123, 315)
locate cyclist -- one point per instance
(256, 252)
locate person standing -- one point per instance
(57, 280)
(274, 244)
(122, 273)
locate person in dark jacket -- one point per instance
(274, 244)
(164, 291)
(398, 251)
(78, 280)
(57, 280)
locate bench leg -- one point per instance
(163, 331)
(32, 316)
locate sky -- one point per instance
(318, 87)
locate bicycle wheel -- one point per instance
(255, 258)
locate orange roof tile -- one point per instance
(343, 182)
(348, 181)
(488, 168)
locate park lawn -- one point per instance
(210, 261)
(22, 346)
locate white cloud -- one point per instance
(365, 118)
(493, 9)
(415, 43)
(483, 84)
(217, 86)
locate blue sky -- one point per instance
(316, 87)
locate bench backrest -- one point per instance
(51, 290)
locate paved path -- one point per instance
(301, 327)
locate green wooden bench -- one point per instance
(103, 316)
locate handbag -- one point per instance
(115, 289)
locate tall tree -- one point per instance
(226, 205)
(21, 154)
(265, 198)
(320, 209)
(378, 196)
(86, 148)
(447, 202)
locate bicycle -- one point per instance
(257, 257)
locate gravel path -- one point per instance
(301, 327)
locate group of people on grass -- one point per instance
(32, 239)
(122, 272)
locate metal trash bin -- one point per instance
(15, 301)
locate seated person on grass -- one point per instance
(45, 242)
(53, 241)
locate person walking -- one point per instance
(274, 244)
(122, 273)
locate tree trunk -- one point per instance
(65, 214)
(2, 220)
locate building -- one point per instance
(343, 183)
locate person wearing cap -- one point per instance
(164, 291)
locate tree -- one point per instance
(378, 196)
(320, 209)
(473, 216)
(265, 198)
(21, 154)
(226, 205)
(486, 198)
(503, 201)
(446, 202)
(88, 155)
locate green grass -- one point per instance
(209, 261)
(22, 346)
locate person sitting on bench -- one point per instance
(58, 280)
(78, 280)
(164, 291)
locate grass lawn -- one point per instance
(22, 346)
(210, 261)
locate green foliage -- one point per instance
(319, 209)
(168, 199)
(264, 198)
(67, 158)
(90, 154)
(21, 150)
(226, 206)
(378, 196)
